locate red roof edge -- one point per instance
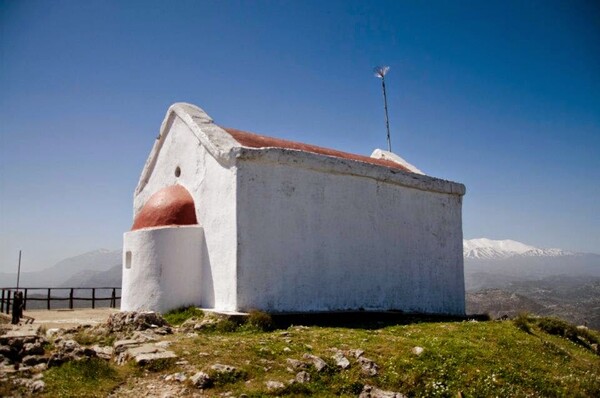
(253, 140)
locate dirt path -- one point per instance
(67, 318)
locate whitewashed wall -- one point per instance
(313, 240)
(212, 186)
(292, 231)
(162, 268)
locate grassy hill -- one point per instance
(537, 357)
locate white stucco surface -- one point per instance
(320, 241)
(162, 268)
(386, 155)
(288, 230)
(212, 186)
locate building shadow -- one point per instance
(370, 320)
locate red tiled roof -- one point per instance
(260, 141)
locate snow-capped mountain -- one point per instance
(489, 249)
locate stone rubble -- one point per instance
(201, 380)
(357, 353)
(140, 339)
(220, 368)
(368, 366)
(137, 321)
(417, 350)
(373, 392)
(302, 377)
(317, 362)
(341, 361)
(274, 385)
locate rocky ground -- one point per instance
(138, 354)
(26, 352)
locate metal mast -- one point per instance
(380, 72)
(19, 271)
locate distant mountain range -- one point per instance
(82, 270)
(502, 277)
(488, 249)
(496, 263)
(505, 277)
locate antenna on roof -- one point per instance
(380, 72)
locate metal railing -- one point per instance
(7, 295)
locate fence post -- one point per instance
(49, 298)
(2, 302)
(8, 303)
(113, 299)
(25, 300)
(71, 299)
(93, 297)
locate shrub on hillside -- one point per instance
(564, 329)
(522, 322)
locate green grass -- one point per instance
(561, 328)
(180, 315)
(86, 378)
(86, 338)
(473, 358)
(536, 357)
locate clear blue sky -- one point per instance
(501, 96)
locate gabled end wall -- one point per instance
(191, 152)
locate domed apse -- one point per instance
(170, 206)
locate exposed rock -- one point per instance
(57, 359)
(303, 377)
(40, 367)
(103, 352)
(163, 344)
(208, 322)
(357, 353)
(368, 366)
(220, 368)
(147, 358)
(69, 350)
(145, 354)
(32, 360)
(16, 344)
(32, 349)
(8, 353)
(296, 364)
(188, 325)
(53, 333)
(274, 385)
(68, 346)
(5, 351)
(17, 338)
(201, 380)
(37, 386)
(373, 392)
(131, 321)
(144, 336)
(122, 345)
(180, 377)
(417, 350)
(317, 362)
(341, 361)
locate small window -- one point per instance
(177, 171)
(128, 260)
